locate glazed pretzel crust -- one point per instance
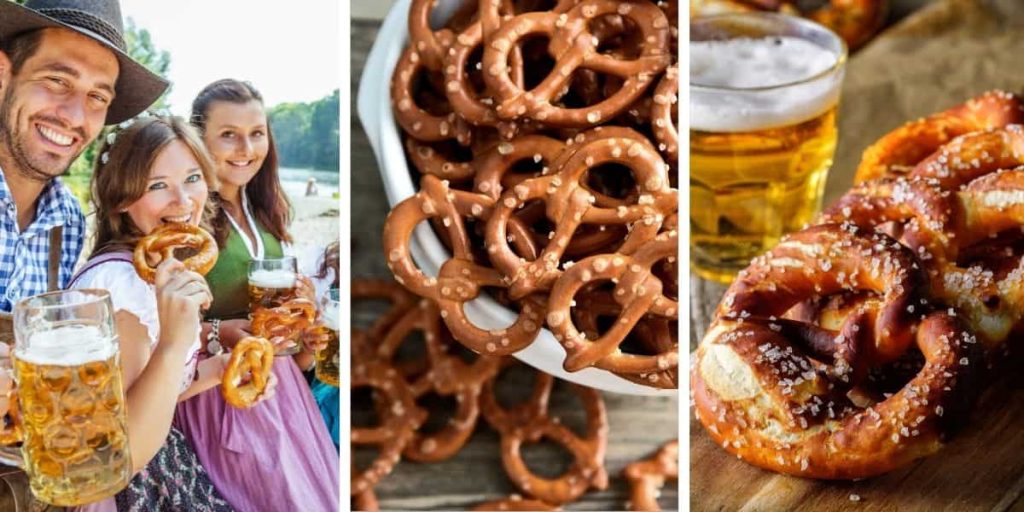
(161, 243)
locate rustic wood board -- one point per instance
(936, 58)
(638, 425)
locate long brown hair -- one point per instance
(269, 203)
(122, 172)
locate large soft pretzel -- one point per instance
(287, 320)
(254, 356)
(161, 243)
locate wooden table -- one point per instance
(639, 425)
(939, 56)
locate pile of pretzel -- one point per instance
(399, 377)
(547, 169)
(854, 346)
(856, 21)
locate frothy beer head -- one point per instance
(329, 316)
(272, 279)
(759, 83)
(69, 345)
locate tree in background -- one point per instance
(306, 134)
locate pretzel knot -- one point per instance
(637, 290)
(399, 419)
(646, 477)
(460, 279)
(446, 375)
(254, 356)
(529, 422)
(568, 204)
(288, 320)
(903, 148)
(161, 243)
(576, 47)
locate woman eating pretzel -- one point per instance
(279, 455)
(150, 174)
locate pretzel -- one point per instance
(856, 21)
(161, 243)
(400, 419)
(287, 320)
(365, 501)
(416, 121)
(515, 502)
(459, 279)
(251, 355)
(663, 121)
(647, 477)
(529, 422)
(907, 145)
(636, 290)
(575, 48)
(568, 205)
(446, 375)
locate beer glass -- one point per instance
(327, 359)
(67, 373)
(273, 282)
(764, 91)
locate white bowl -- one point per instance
(374, 108)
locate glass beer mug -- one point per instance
(67, 374)
(328, 358)
(272, 282)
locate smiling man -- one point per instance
(64, 74)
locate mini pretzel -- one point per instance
(161, 243)
(365, 501)
(576, 48)
(416, 121)
(515, 502)
(904, 147)
(251, 355)
(287, 320)
(637, 290)
(400, 419)
(663, 122)
(647, 477)
(529, 422)
(447, 375)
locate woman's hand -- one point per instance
(231, 331)
(304, 288)
(180, 294)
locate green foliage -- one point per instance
(306, 134)
(141, 48)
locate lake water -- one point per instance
(294, 181)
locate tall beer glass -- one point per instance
(327, 359)
(67, 371)
(764, 91)
(273, 282)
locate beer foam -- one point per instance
(748, 63)
(330, 316)
(67, 345)
(272, 278)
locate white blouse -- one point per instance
(128, 292)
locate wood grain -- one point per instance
(938, 57)
(638, 425)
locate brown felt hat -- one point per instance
(137, 87)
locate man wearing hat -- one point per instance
(64, 74)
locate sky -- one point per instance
(287, 49)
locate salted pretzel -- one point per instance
(460, 279)
(569, 204)
(161, 243)
(288, 320)
(252, 356)
(414, 119)
(906, 146)
(529, 422)
(398, 423)
(365, 501)
(856, 21)
(515, 502)
(446, 375)
(576, 48)
(646, 477)
(663, 117)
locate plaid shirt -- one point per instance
(24, 255)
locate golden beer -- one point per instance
(73, 417)
(327, 359)
(764, 92)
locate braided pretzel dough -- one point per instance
(161, 243)
(252, 355)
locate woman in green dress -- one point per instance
(277, 455)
